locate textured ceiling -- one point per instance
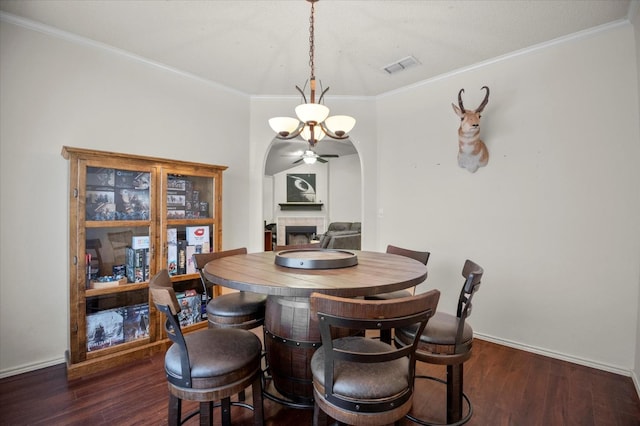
(261, 47)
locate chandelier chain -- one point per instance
(312, 40)
(312, 117)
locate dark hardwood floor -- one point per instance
(506, 387)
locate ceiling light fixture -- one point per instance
(309, 157)
(313, 121)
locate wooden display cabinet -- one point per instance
(129, 217)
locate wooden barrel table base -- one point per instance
(291, 339)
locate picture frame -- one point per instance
(301, 188)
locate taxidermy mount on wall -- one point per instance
(472, 152)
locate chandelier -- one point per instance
(313, 121)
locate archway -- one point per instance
(339, 181)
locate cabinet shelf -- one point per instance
(116, 223)
(94, 292)
(185, 277)
(99, 353)
(189, 222)
(123, 211)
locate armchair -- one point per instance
(342, 235)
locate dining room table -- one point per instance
(288, 278)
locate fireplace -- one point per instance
(285, 221)
(299, 234)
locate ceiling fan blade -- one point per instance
(320, 160)
(330, 156)
(297, 161)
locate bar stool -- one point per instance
(207, 365)
(359, 380)
(420, 256)
(241, 309)
(447, 340)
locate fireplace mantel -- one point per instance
(301, 206)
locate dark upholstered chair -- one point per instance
(359, 380)
(447, 340)
(342, 235)
(207, 365)
(233, 310)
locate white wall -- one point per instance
(345, 195)
(634, 15)
(554, 218)
(58, 92)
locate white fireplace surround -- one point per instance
(284, 221)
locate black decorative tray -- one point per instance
(312, 258)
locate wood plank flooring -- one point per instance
(506, 387)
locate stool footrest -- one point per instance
(460, 422)
(215, 405)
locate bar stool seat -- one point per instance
(214, 355)
(243, 310)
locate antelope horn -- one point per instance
(485, 100)
(460, 100)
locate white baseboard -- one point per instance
(31, 367)
(556, 355)
(634, 377)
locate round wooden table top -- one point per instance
(375, 273)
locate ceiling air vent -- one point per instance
(401, 64)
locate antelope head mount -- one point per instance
(472, 152)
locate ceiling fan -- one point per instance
(309, 156)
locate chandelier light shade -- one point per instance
(341, 123)
(312, 113)
(306, 134)
(313, 121)
(284, 126)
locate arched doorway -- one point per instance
(339, 181)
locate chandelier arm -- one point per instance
(332, 135)
(322, 95)
(293, 134)
(302, 93)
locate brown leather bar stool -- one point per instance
(359, 380)
(243, 310)
(420, 256)
(447, 340)
(207, 365)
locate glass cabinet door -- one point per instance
(115, 247)
(190, 220)
(190, 225)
